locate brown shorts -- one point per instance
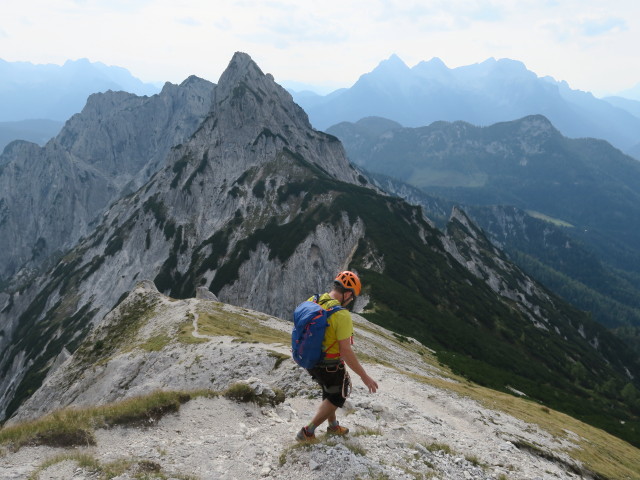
(334, 380)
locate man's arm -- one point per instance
(349, 356)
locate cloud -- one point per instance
(189, 21)
(124, 6)
(569, 30)
(487, 12)
(441, 15)
(603, 26)
(284, 26)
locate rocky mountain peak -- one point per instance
(252, 95)
(256, 119)
(535, 129)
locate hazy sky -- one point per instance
(592, 44)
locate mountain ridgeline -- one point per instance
(109, 149)
(582, 230)
(262, 210)
(481, 94)
(56, 92)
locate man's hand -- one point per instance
(348, 355)
(370, 383)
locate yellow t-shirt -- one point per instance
(340, 325)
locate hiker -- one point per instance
(331, 373)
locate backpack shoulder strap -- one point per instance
(334, 309)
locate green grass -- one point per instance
(546, 218)
(156, 343)
(185, 334)
(439, 447)
(601, 453)
(473, 459)
(326, 440)
(242, 392)
(75, 426)
(279, 357)
(139, 469)
(119, 334)
(242, 327)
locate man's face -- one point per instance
(348, 299)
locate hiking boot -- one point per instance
(304, 435)
(337, 430)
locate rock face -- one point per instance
(423, 422)
(51, 194)
(470, 247)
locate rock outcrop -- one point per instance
(49, 196)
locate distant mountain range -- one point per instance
(481, 94)
(632, 93)
(36, 131)
(54, 92)
(582, 233)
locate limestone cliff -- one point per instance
(49, 196)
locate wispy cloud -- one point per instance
(283, 25)
(603, 26)
(569, 30)
(441, 14)
(124, 6)
(189, 21)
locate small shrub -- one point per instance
(280, 357)
(356, 449)
(439, 447)
(473, 459)
(242, 392)
(64, 437)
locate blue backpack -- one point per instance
(309, 325)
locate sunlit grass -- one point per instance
(156, 343)
(75, 426)
(546, 218)
(600, 452)
(241, 327)
(139, 468)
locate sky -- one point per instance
(591, 44)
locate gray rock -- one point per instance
(203, 293)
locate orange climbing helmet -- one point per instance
(350, 281)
